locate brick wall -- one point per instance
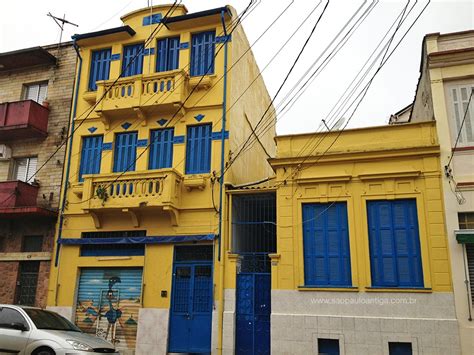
(60, 80)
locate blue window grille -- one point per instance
(161, 148)
(112, 249)
(125, 151)
(198, 149)
(326, 245)
(394, 243)
(202, 53)
(132, 63)
(168, 54)
(100, 67)
(91, 156)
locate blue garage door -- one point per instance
(108, 302)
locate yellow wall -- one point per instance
(391, 162)
(193, 199)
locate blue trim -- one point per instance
(398, 288)
(178, 139)
(329, 287)
(223, 39)
(184, 45)
(142, 143)
(199, 117)
(216, 136)
(92, 129)
(148, 51)
(139, 240)
(151, 20)
(115, 56)
(126, 125)
(162, 122)
(107, 146)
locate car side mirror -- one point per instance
(18, 326)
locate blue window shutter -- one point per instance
(326, 245)
(161, 149)
(168, 54)
(100, 67)
(198, 149)
(394, 243)
(125, 151)
(130, 64)
(202, 53)
(91, 156)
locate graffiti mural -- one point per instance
(108, 302)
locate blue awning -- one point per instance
(139, 240)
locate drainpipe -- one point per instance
(68, 165)
(221, 243)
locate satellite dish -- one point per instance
(338, 124)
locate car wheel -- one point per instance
(43, 351)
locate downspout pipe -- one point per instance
(220, 240)
(69, 150)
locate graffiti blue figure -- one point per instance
(112, 314)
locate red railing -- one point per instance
(17, 194)
(23, 119)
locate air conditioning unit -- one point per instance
(5, 152)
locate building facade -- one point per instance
(445, 94)
(161, 105)
(362, 263)
(35, 101)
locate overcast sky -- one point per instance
(25, 24)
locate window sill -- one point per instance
(329, 288)
(460, 149)
(202, 81)
(399, 289)
(90, 96)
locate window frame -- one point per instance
(27, 86)
(14, 174)
(329, 204)
(114, 165)
(81, 173)
(93, 86)
(187, 170)
(424, 266)
(202, 71)
(458, 114)
(167, 65)
(126, 72)
(153, 145)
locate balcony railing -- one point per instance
(17, 194)
(132, 190)
(23, 119)
(142, 94)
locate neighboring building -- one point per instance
(362, 262)
(402, 116)
(35, 99)
(138, 249)
(444, 94)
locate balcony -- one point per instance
(131, 193)
(141, 95)
(19, 199)
(23, 119)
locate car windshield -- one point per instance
(50, 320)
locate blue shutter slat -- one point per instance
(202, 53)
(129, 53)
(100, 65)
(91, 156)
(125, 151)
(198, 149)
(161, 149)
(394, 244)
(326, 245)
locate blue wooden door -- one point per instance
(191, 308)
(253, 309)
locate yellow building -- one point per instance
(445, 94)
(159, 109)
(362, 262)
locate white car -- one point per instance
(35, 331)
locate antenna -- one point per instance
(61, 22)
